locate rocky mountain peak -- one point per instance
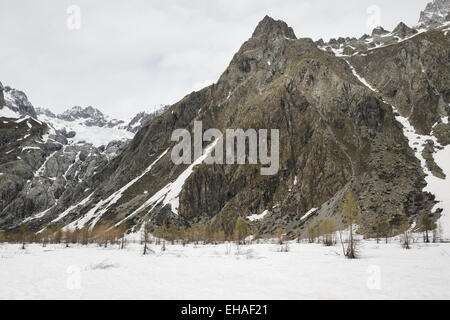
(379, 31)
(17, 101)
(45, 112)
(403, 30)
(437, 11)
(269, 26)
(90, 116)
(142, 117)
(78, 112)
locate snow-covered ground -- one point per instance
(258, 271)
(8, 113)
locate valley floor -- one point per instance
(258, 271)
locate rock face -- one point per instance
(2, 97)
(38, 165)
(414, 76)
(436, 12)
(403, 31)
(43, 162)
(337, 132)
(142, 117)
(45, 112)
(378, 31)
(90, 117)
(17, 101)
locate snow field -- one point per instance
(258, 271)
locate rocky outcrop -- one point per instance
(17, 101)
(378, 31)
(89, 116)
(138, 121)
(2, 97)
(403, 31)
(46, 112)
(413, 76)
(39, 167)
(436, 12)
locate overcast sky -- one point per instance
(134, 55)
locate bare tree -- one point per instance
(427, 225)
(327, 229)
(351, 216)
(145, 236)
(85, 236)
(122, 233)
(404, 228)
(241, 230)
(23, 235)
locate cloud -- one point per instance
(134, 55)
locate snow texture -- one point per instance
(256, 217)
(258, 271)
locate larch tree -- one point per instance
(24, 235)
(279, 235)
(404, 228)
(427, 225)
(327, 228)
(350, 217)
(240, 230)
(122, 231)
(145, 236)
(310, 232)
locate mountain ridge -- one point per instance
(338, 133)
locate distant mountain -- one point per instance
(87, 125)
(91, 125)
(38, 163)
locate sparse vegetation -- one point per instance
(350, 217)
(327, 228)
(427, 225)
(241, 230)
(404, 228)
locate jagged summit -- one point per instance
(78, 112)
(403, 30)
(270, 26)
(46, 112)
(16, 101)
(89, 116)
(379, 31)
(437, 11)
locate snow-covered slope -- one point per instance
(90, 125)
(78, 132)
(86, 125)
